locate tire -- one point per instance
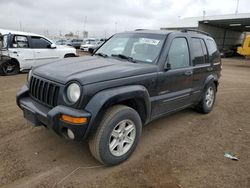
(69, 55)
(208, 99)
(111, 133)
(9, 67)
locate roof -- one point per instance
(193, 22)
(5, 31)
(149, 31)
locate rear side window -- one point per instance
(178, 56)
(199, 51)
(39, 42)
(20, 42)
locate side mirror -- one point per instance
(52, 46)
(167, 66)
(92, 50)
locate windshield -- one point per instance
(3, 41)
(140, 47)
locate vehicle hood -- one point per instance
(64, 47)
(91, 69)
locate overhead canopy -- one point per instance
(238, 24)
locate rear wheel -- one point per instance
(69, 55)
(9, 67)
(206, 104)
(117, 136)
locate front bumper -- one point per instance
(85, 49)
(39, 115)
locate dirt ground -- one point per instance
(182, 150)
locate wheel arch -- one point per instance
(69, 55)
(212, 78)
(136, 97)
(14, 59)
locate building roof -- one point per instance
(193, 22)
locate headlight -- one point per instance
(29, 76)
(73, 92)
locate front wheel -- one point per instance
(206, 104)
(9, 67)
(117, 136)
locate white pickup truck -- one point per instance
(26, 50)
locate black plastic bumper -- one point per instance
(39, 114)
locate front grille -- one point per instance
(44, 91)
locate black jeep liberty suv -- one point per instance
(132, 79)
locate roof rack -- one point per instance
(196, 30)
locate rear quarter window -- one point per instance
(212, 48)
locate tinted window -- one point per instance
(5, 41)
(20, 42)
(204, 49)
(212, 48)
(198, 51)
(39, 42)
(178, 55)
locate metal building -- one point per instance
(227, 30)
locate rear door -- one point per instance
(201, 66)
(20, 49)
(175, 84)
(42, 50)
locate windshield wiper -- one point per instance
(101, 54)
(131, 59)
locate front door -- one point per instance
(175, 82)
(43, 51)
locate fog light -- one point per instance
(70, 134)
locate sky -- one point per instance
(105, 17)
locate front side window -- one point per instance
(142, 47)
(20, 42)
(178, 56)
(39, 42)
(4, 41)
(199, 51)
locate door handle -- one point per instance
(209, 68)
(188, 73)
(15, 52)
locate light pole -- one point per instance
(84, 26)
(237, 7)
(115, 27)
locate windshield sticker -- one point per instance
(149, 41)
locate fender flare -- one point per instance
(211, 78)
(106, 98)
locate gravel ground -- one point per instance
(182, 150)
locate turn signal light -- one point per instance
(75, 120)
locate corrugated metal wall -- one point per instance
(224, 38)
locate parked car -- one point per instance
(3, 58)
(90, 43)
(27, 50)
(76, 43)
(61, 42)
(107, 97)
